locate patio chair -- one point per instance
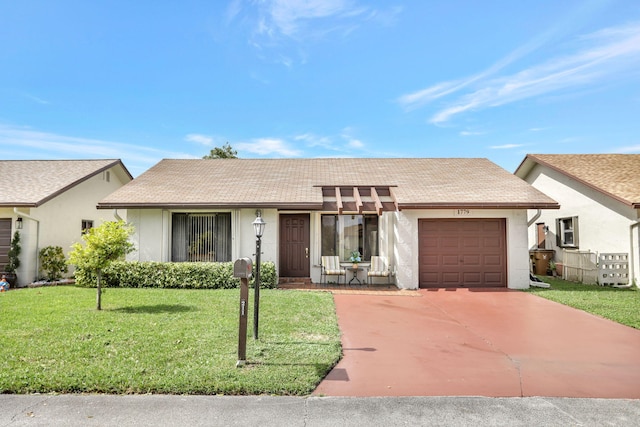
(379, 268)
(331, 267)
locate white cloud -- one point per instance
(268, 146)
(416, 99)
(506, 146)
(312, 140)
(470, 133)
(569, 140)
(278, 23)
(287, 16)
(37, 99)
(234, 8)
(604, 55)
(199, 138)
(355, 143)
(23, 143)
(628, 149)
(351, 142)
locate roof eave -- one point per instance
(19, 205)
(204, 205)
(478, 206)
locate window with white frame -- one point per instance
(343, 234)
(201, 237)
(567, 232)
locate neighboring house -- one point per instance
(439, 222)
(599, 195)
(50, 203)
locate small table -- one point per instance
(354, 272)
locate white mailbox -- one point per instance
(243, 268)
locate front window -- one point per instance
(202, 237)
(343, 234)
(567, 232)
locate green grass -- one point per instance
(163, 341)
(619, 305)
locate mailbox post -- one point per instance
(242, 269)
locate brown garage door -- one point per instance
(462, 253)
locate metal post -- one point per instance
(256, 302)
(242, 334)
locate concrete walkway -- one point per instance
(159, 411)
(494, 343)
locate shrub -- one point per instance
(14, 254)
(53, 262)
(186, 275)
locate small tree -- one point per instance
(224, 152)
(104, 244)
(14, 254)
(53, 262)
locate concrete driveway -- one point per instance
(495, 343)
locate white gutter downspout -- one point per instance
(632, 255)
(24, 215)
(115, 214)
(535, 217)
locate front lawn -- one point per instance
(619, 305)
(163, 341)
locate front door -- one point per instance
(294, 245)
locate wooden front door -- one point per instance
(541, 235)
(294, 245)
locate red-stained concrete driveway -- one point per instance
(467, 342)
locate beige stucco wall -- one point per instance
(604, 224)
(398, 239)
(152, 233)
(58, 222)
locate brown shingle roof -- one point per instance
(616, 175)
(33, 182)
(297, 183)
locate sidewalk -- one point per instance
(164, 410)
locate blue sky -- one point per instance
(145, 80)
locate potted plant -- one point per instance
(14, 260)
(355, 258)
(551, 271)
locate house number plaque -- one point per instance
(461, 212)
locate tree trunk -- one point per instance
(99, 296)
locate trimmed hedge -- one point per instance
(185, 275)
